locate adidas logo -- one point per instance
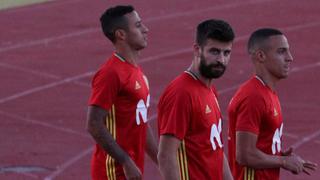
(138, 86)
(208, 110)
(275, 112)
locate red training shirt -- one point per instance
(255, 108)
(121, 89)
(189, 111)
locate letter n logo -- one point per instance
(276, 140)
(216, 135)
(141, 111)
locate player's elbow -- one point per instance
(248, 157)
(166, 165)
(89, 127)
(95, 122)
(161, 157)
(243, 157)
(92, 127)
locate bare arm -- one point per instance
(151, 145)
(226, 169)
(96, 127)
(248, 154)
(167, 157)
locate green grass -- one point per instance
(5, 4)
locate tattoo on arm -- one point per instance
(97, 128)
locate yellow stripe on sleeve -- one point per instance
(111, 127)
(248, 173)
(183, 163)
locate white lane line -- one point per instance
(30, 175)
(203, 10)
(81, 83)
(165, 55)
(301, 26)
(297, 69)
(152, 19)
(40, 5)
(38, 73)
(61, 168)
(293, 136)
(47, 40)
(41, 88)
(43, 123)
(306, 139)
(8, 66)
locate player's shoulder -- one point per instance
(107, 69)
(177, 88)
(182, 84)
(250, 90)
(251, 86)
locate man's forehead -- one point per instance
(278, 41)
(272, 42)
(213, 43)
(133, 16)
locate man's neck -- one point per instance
(127, 54)
(267, 79)
(195, 71)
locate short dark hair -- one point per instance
(214, 29)
(113, 19)
(259, 36)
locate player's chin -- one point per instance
(284, 75)
(141, 46)
(218, 72)
(144, 44)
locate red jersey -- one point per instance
(121, 89)
(189, 110)
(255, 108)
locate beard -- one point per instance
(211, 71)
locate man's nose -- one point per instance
(145, 29)
(222, 58)
(289, 57)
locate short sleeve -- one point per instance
(250, 113)
(174, 114)
(105, 88)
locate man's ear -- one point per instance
(196, 50)
(120, 34)
(260, 55)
